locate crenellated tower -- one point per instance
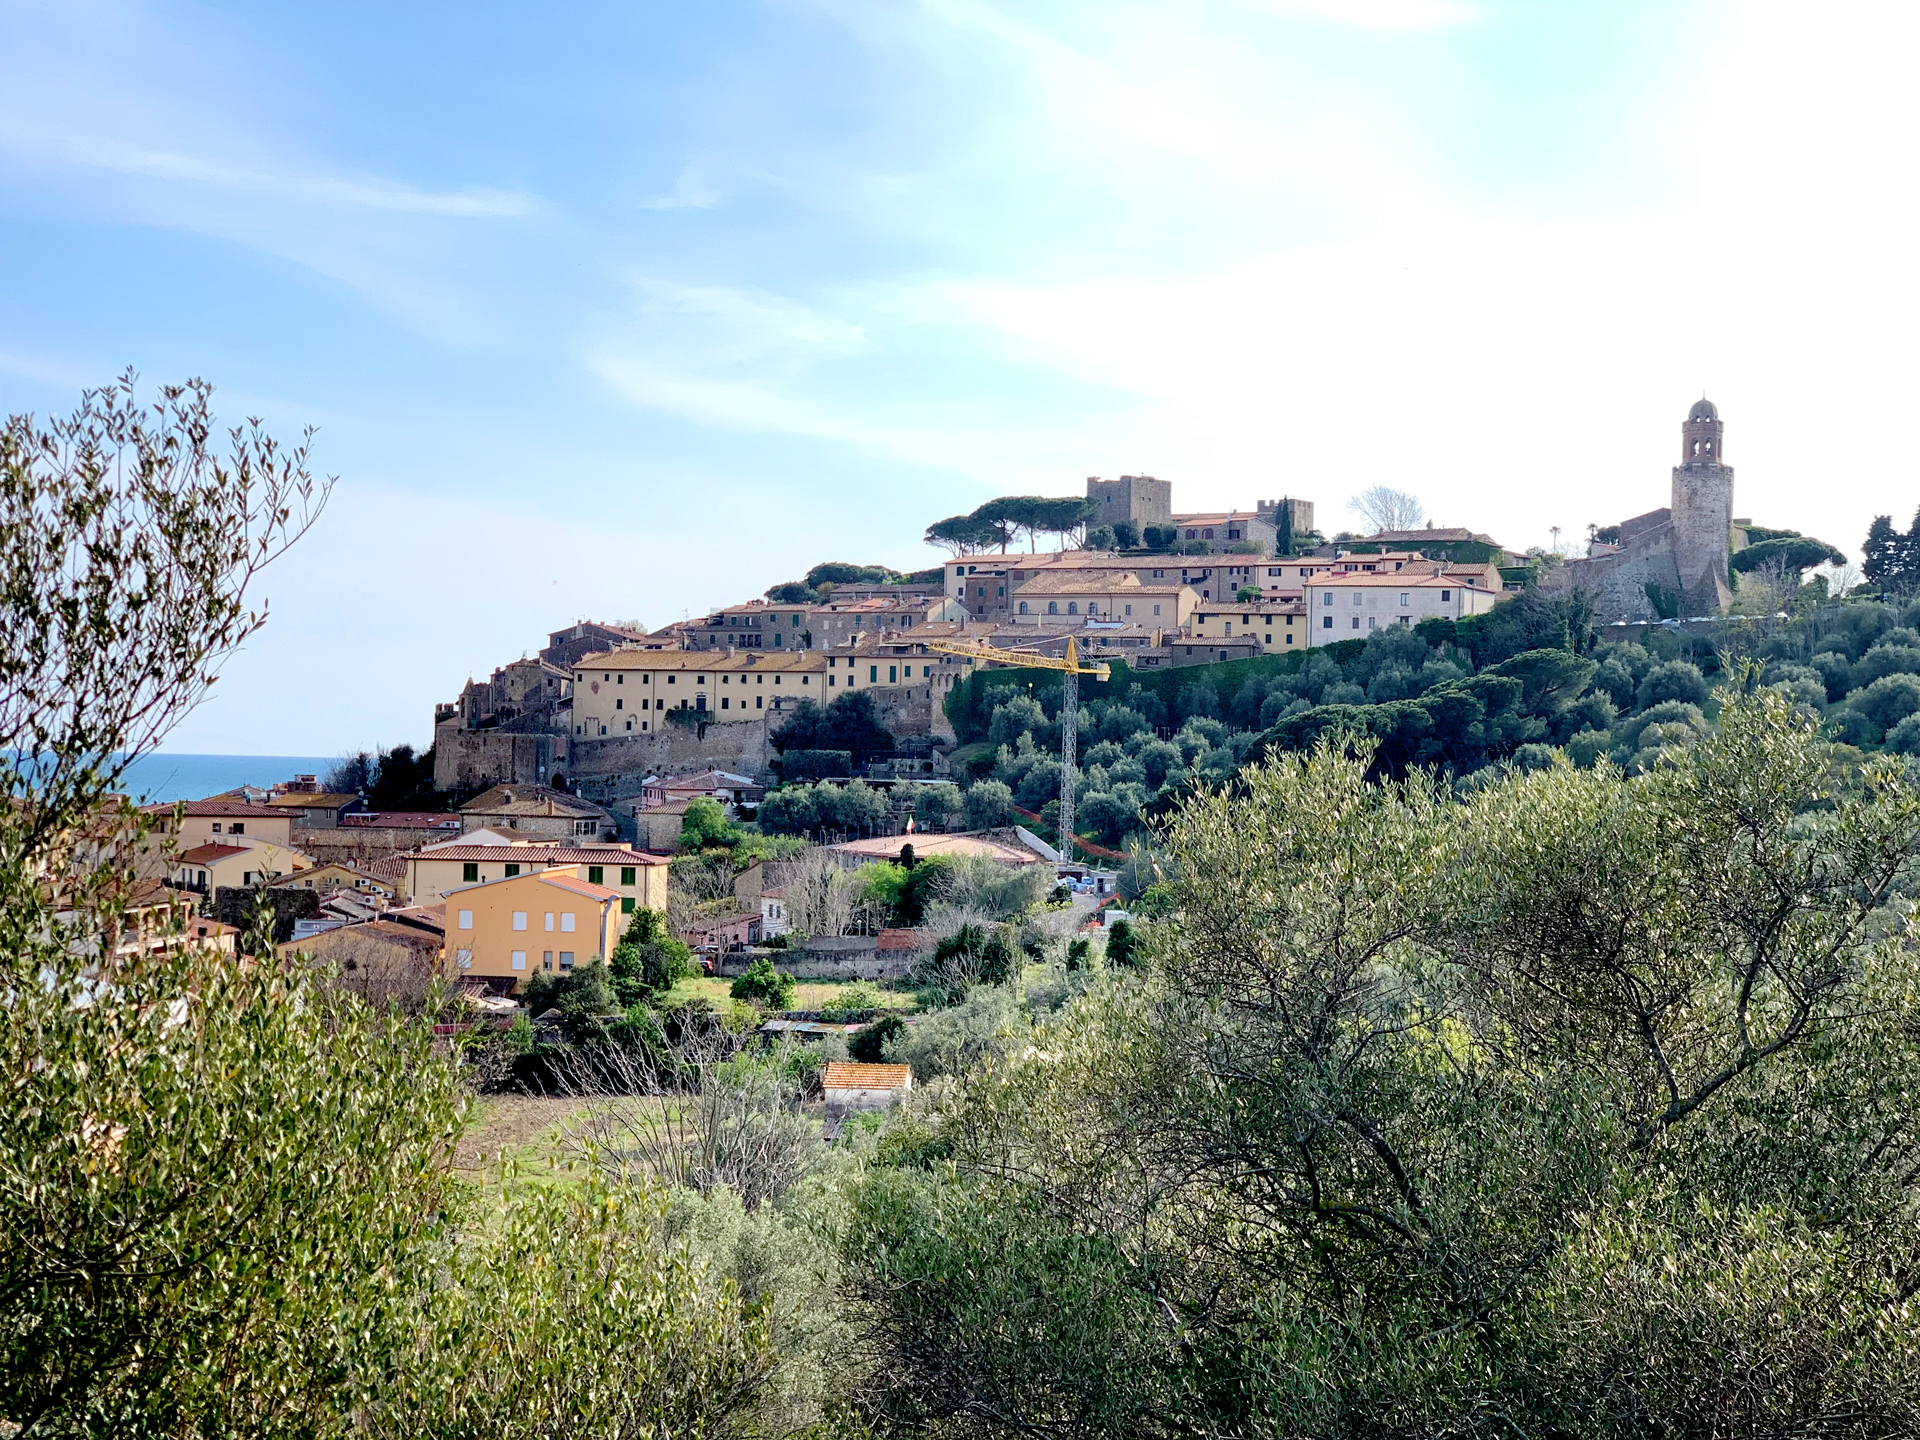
(1703, 512)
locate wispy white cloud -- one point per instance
(692, 190)
(1377, 14)
(103, 153)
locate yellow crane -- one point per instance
(1071, 669)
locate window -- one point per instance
(873, 674)
(1371, 622)
(470, 872)
(619, 704)
(1053, 607)
(512, 870)
(546, 959)
(519, 959)
(1327, 598)
(892, 673)
(1403, 599)
(626, 874)
(1023, 607)
(465, 957)
(466, 920)
(239, 827)
(1156, 609)
(1446, 595)
(566, 922)
(1073, 607)
(519, 919)
(596, 875)
(549, 924)
(1326, 623)
(626, 904)
(1356, 622)
(566, 959)
(620, 679)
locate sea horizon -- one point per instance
(165, 777)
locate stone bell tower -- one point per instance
(1703, 513)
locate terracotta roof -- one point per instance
(888, 848)
(1214, 517)
(540, 854)
(531, 800)
(578, 887)
(296, 799)
(401, 820)
(1069, 584)
(210, 852)
(218, 809)
(1394, 580)
(848, 1075)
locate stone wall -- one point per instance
(613, 769)
(475, 759)
(844, 957)
(1617, 583)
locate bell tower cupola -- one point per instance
(1702, 436)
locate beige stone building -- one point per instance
(206, 868)
(1279, 625)
(537, 811)
(1351, 607)
(628, 692)
(226, 822)
(550, 920)
(1124, 598)
(638, 879)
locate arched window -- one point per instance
(1093, 607)
(1023, 607)
(1073, 607)
(1053, 607)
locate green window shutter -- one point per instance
(470, 872)
(626, 877)
(595, 875)
(626, 904)
(512, 870)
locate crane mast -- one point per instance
(1071, 669)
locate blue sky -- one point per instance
(629, 310)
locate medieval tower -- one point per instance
(1702, 512)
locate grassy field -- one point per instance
(807, 994)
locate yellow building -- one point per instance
(1279, 625)
(335, 876)
(626, 692)
(1351, 607)
(203, 822)
(640, 880)
(1062, 598)
(549, 920)
(206, 868)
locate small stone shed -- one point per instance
(850, 1086)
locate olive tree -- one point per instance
(1584, 1106)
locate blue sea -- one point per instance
(161, 778)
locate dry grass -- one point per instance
(807, 994)
(522, 1130)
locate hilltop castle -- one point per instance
(1669, 562)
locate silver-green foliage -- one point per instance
(1585, 1107)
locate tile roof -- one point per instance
(401, 820)
(539, 854)
(848, 1075)
(295, 799)
(1393, 580)
(1067, 584)
(217, 809)
(207, 854)
(883, 847)
(537, 801)
(578, 887)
